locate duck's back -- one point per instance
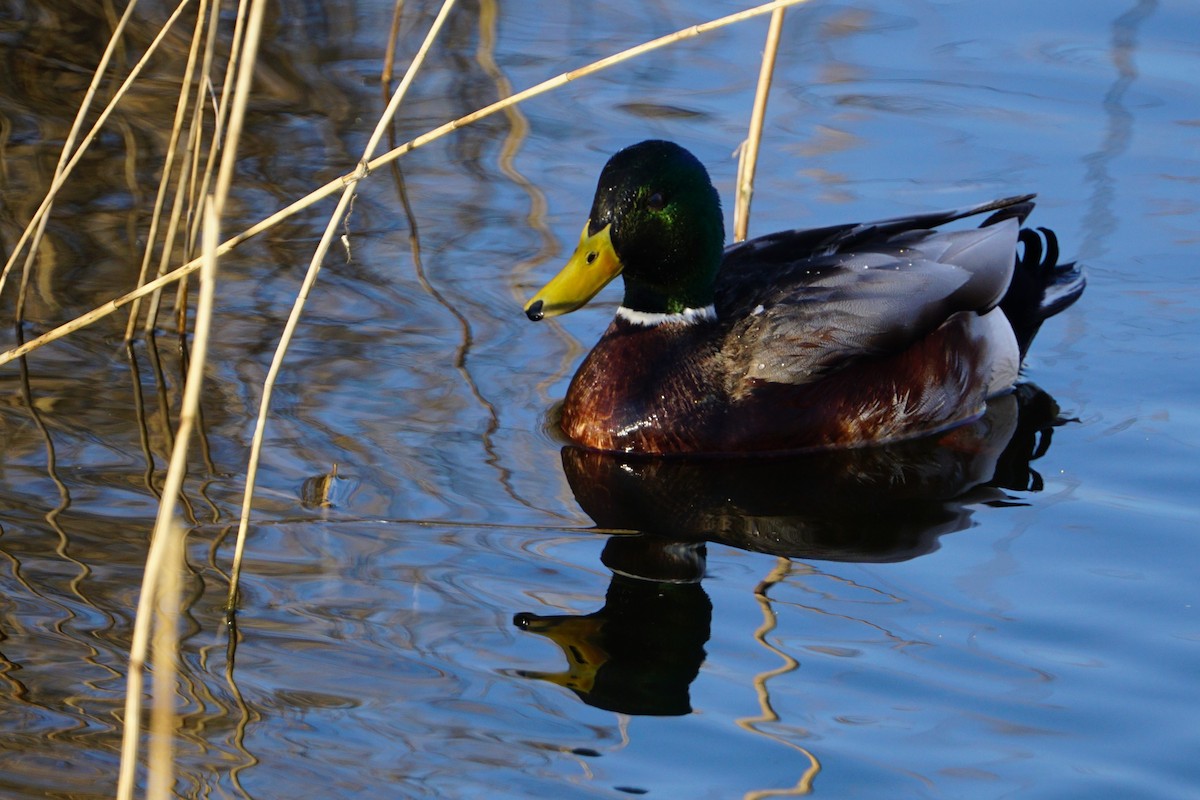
(796, 320)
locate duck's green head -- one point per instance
(656, 220)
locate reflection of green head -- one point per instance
(637, 655)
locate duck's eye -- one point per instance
(656, 202)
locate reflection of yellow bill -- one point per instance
(591, 267)
(581, 640)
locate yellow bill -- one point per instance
(589, 270)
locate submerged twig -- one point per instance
(389, 55)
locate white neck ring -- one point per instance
(689, 316)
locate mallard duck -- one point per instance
(816, 339)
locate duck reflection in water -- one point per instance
(641, 651)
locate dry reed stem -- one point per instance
(314, 268)
(164, 651)
(102, 311)
(61, 177)
(164, 181)
(165, 528)
(749, 158)
(221, 117)
(221, 110)
(241, 98)
(197, 190)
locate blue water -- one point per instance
(1033, 636)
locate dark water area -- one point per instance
(464, 609)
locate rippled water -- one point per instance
(1009, 612)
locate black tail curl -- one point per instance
(1041, 287)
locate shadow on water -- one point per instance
(641, 651)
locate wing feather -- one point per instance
(828, 305)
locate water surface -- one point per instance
(1017, 617)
